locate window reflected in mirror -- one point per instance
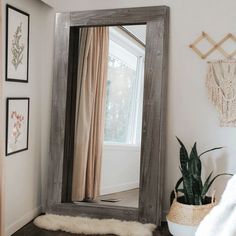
(123, 112)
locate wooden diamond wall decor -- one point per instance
(215, 45)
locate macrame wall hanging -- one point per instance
(221, 85)
(221, 78)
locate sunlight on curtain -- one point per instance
(90, 106)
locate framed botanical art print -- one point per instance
(17, 45)
(17, 125)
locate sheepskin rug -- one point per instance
(82, 225)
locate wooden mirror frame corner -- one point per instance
(154, 112)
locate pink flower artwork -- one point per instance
(17, 120)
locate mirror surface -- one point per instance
(108, 123)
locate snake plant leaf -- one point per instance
(205, 186)
(183, 156)
(210, 150)
(187, 196)
(195, 163)
(172, 197)
(188, 186)
(195, 167)
(197, 200)
(178, 184)
(193, 153)
(197, 188)
(212, 181)
(193, 189)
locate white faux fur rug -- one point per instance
(82, 225)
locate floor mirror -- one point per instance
(108, 126)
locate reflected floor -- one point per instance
(126, 198)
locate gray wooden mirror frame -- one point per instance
(154, 109)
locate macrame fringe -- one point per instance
(221, 85)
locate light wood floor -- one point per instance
(126, 198)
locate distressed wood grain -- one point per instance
(95, 210)
(122, 16)
(154, 123)
(59, 93)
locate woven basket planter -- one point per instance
(183, 219)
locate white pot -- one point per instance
(181, 230)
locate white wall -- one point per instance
(23, 170)
(120, 168)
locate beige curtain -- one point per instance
(90, 105)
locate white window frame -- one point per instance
(121, 38)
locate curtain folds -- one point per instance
(90, 107)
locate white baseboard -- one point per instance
(119, 188)
(11, 229)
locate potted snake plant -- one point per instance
(190, 203)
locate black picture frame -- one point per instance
(8, 100)
(7, 76)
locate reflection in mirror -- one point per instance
(108, 120)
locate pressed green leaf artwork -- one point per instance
(17, 48)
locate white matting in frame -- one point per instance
(17, 125)
(17, 44)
